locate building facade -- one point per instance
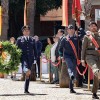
(52, 21)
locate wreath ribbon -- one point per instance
(4, 55)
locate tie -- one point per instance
(27, 38)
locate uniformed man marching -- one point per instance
(90, 54)
(27, 44)
(67, 51)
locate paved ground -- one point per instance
(13, 90)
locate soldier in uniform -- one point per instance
(27, 44)
(91, 55)
(66, 51)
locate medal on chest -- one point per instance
(91, 44)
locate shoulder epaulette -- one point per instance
(19, 37)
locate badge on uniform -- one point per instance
(22, 40)
(91, 44)
(75, 38)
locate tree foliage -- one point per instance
(43, 6)
(16, 13)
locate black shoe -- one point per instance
(72, 91)
(52, 82)
(11, 77)
(57, 82)
(27, 92)
(94, 96)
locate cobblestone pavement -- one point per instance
(13, 90)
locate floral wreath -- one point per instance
(9, 57)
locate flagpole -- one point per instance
(25, 13)
(65, 13)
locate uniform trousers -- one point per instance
(27, 79)
(71, 64)
(94, 62)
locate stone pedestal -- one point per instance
(64, 77)
(32, 76)
(1, 75)
(33, 73)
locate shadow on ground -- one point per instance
(31, 94)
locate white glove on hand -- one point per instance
(34, 62)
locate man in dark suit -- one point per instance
(27, 44)
(60, 35)
(39, 49)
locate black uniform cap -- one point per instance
(93, 22)
(25, 27)
(70, 26)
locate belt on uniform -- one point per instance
(93, 48)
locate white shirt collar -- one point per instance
(61, 37)
(26, 37)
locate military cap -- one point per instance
(70, 26)
(25, 27)
(93, 22)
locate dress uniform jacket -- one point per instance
(92, 56)
(65, 47)
(89, 51)
(28, 48)
(66, 50)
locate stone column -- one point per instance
(30, 14)
(5, 18)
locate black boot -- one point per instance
(72, 91)
(94, 96)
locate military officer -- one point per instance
(27, 44)
(66, 50)
(90, 54)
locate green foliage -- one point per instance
(16, 5)
(43, 6)
(16, 13)
(15, 54)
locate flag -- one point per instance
(0, 19)
(76, 10)
(65, 12)
(25, 13)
